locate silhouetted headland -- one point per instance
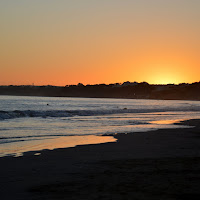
(129, 90)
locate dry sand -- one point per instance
(162, 164)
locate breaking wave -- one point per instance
(70, 113)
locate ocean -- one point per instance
(37, 123)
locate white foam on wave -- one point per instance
(71, 113)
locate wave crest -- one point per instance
(70, 113)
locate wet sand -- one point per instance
(16, 149)
(162, 164)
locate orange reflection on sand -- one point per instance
(55, 143)
(166, 121)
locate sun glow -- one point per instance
(166, 80)
(94, 42)
(165, 74)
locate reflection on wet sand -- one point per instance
(50, 144)
(166, 121)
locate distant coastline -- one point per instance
(127, 90)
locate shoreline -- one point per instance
(127, 90)
(86, 97)
(161, 164)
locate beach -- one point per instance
(160, 164)
(100, 100)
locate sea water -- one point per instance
(36, 123)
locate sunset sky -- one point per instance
(99, 41)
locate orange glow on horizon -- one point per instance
(165, 74)
(94, 42)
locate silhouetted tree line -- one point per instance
(126, 90)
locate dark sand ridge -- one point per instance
(162, 164)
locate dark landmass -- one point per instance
(162, 164)
(132, 90)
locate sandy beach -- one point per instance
(162, 164)
(100, 100)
